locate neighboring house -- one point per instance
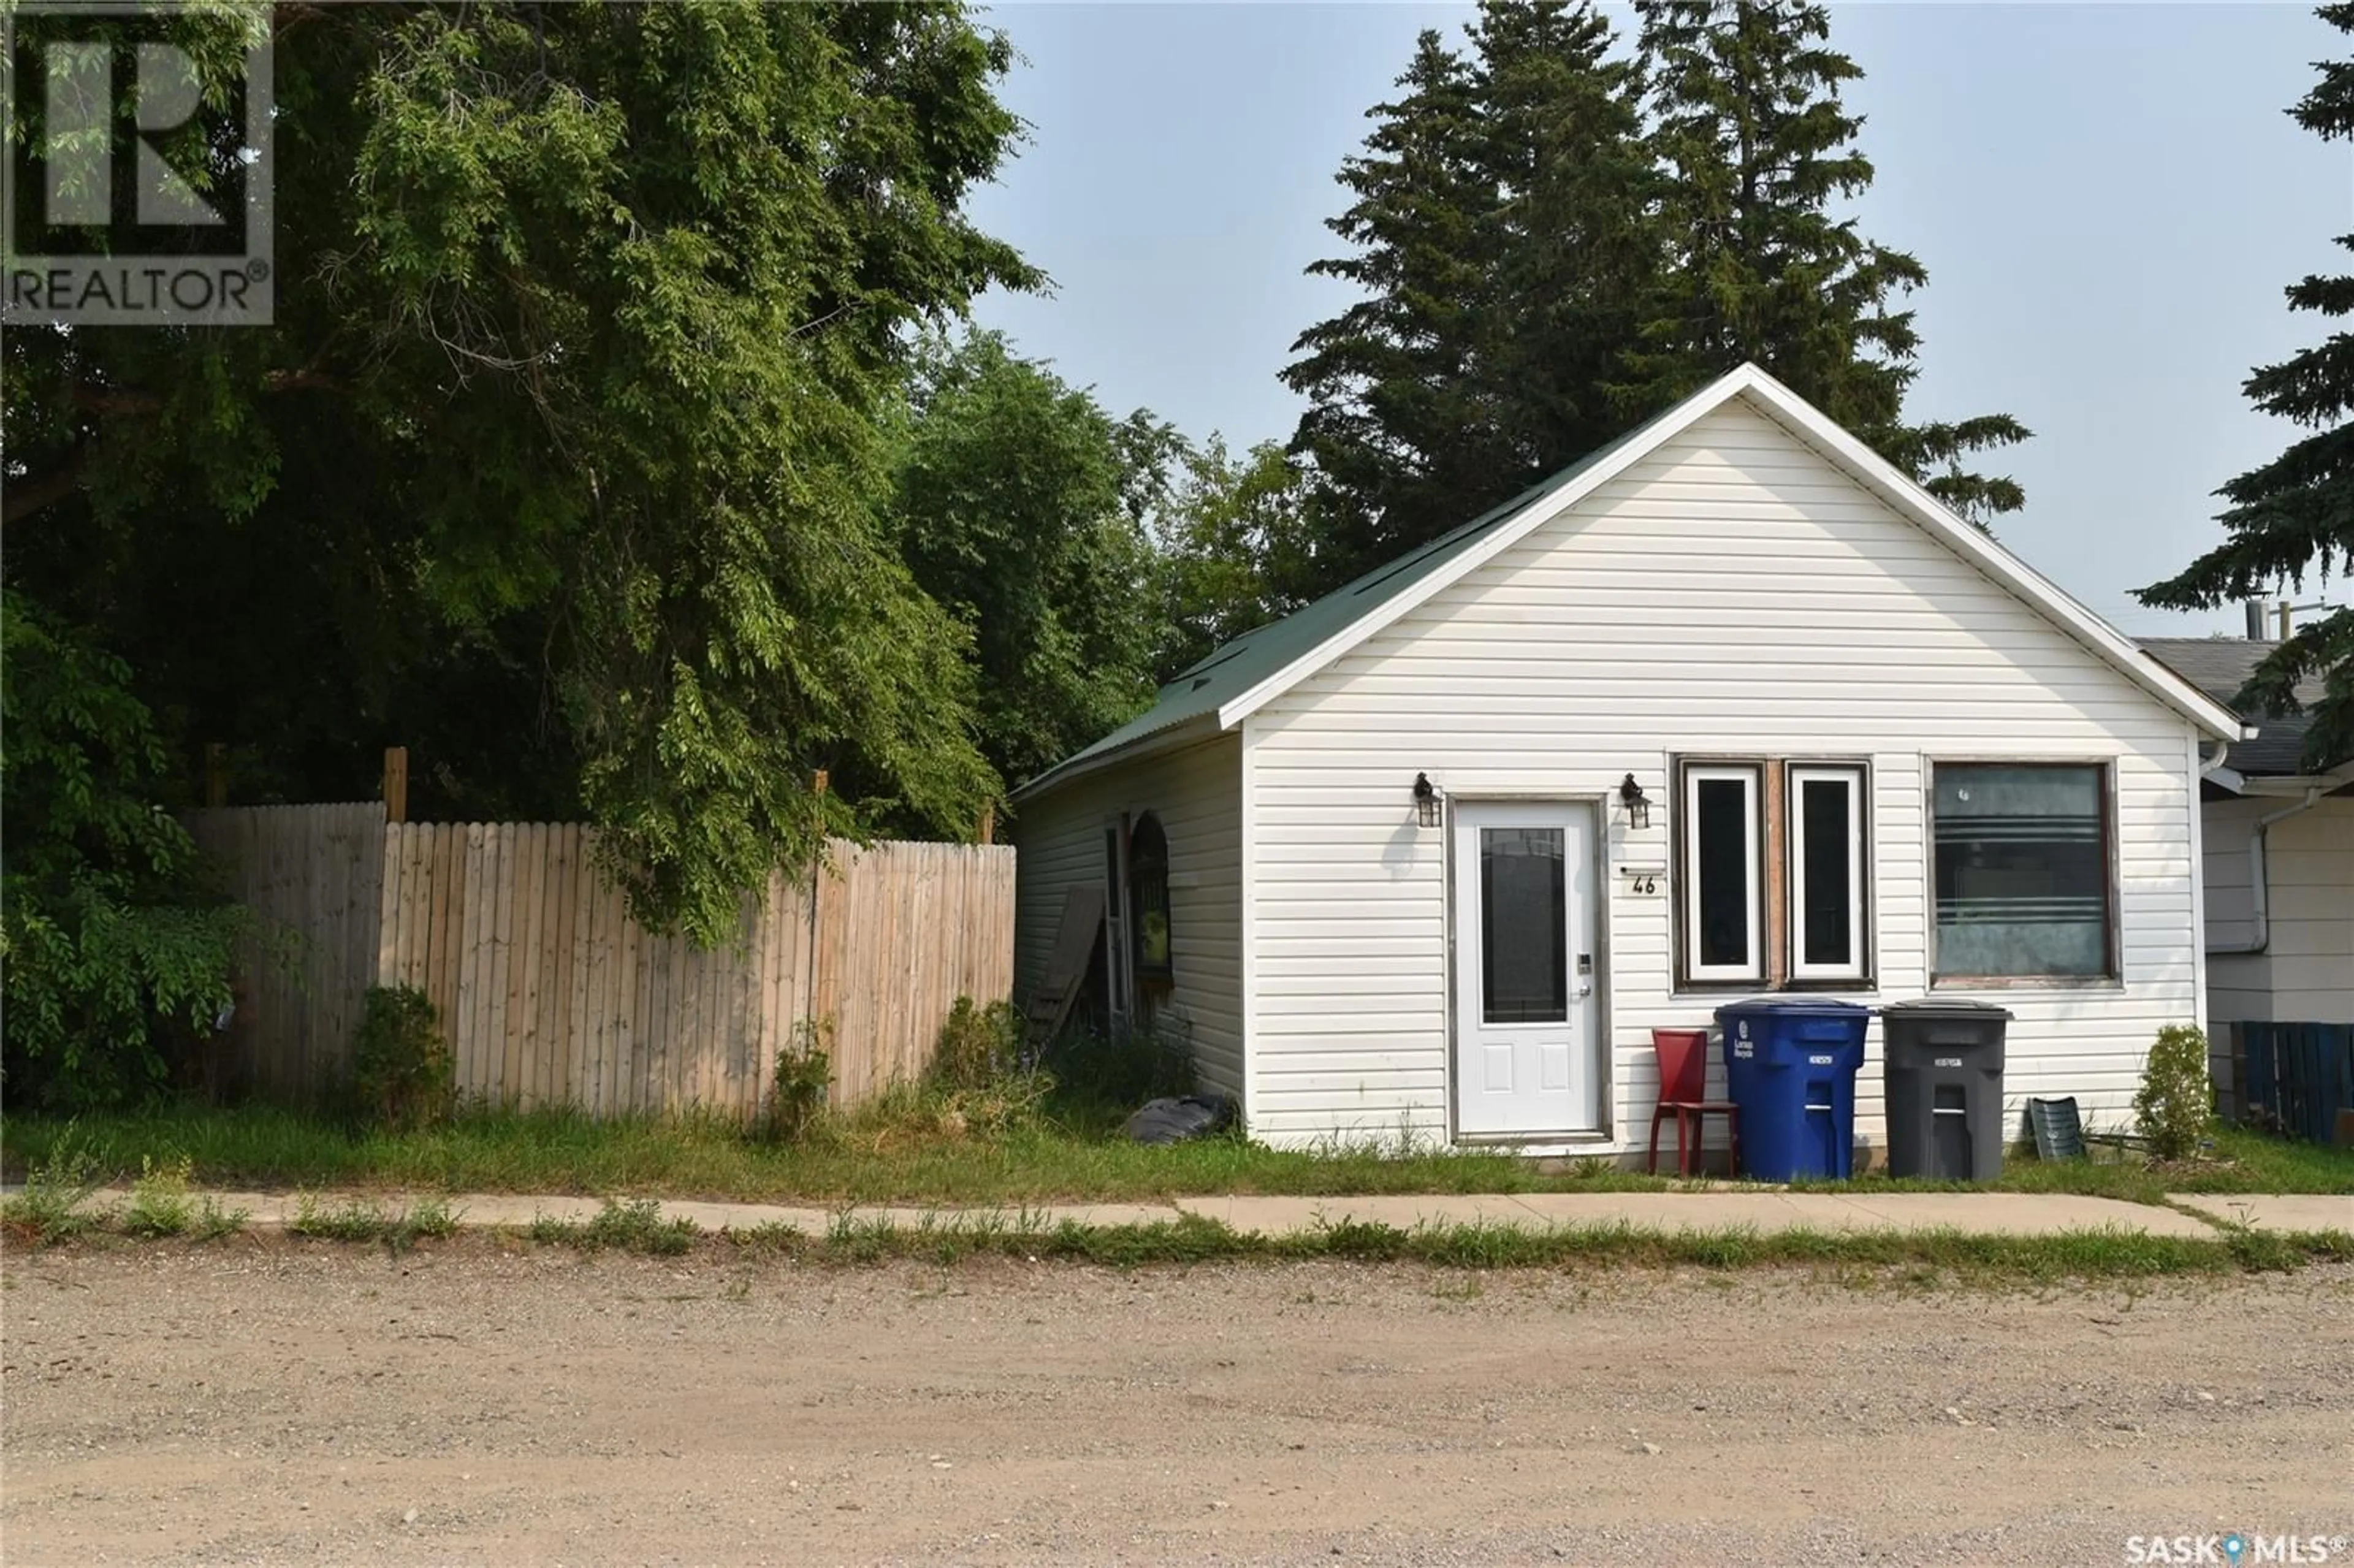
(2279, 844)
(1874, 754)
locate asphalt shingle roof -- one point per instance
(2219, 666)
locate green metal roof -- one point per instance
(1237, 666)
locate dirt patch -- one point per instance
(268, 1401)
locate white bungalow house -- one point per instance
(1731, 707)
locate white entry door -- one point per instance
(1528, 1048)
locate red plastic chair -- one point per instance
(1684, 1091)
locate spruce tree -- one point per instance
(2295, 513)
(1504, 239)
(1574, 235)
(1755, 147)
(1399, 429)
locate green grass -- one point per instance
(864, 1161)
(1919, 1257)
(889, 1156)
(2239, 1160)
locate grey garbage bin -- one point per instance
(1942, 1066)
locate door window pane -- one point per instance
(1721, 867)
(2022, 871)
(1525, 960)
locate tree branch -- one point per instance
(37, 493)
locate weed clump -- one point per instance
(360, 1220)
(804, 1079)
(160, 1203)
(623, 1225)
(52, 1209)
(402, 1067)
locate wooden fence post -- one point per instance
(395, 783)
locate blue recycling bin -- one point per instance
(1790, 1066)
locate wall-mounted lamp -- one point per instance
(1639, 806)
(1426, 800)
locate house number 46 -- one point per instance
(1642, 882)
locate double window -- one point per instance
(2022, 870)
(1773, 873)
(1772, 877)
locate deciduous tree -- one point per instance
(564, 462)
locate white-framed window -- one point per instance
(2025, 865)
(1722, 914)
(1824, 808)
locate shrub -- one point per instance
(977, 1045)
(804, 1079)
(2176, 1103)
(116, 944)
(402, 1068)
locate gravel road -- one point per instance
(273, 1401)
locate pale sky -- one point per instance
(2109, 200)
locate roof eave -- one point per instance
(1169, 737)
(2329, 782)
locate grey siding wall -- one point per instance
(1196, 794)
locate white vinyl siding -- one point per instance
(2306, 973)
(2239, 985)
(1195, 793)
(2310, 861)
(1732, 594)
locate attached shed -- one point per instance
(1731, 707)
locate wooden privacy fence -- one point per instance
(550, 993)
(317, 871)
(2299, 1075)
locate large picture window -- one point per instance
(2022, 871)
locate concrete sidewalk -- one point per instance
(1760, 1211)
(2273, 1211)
